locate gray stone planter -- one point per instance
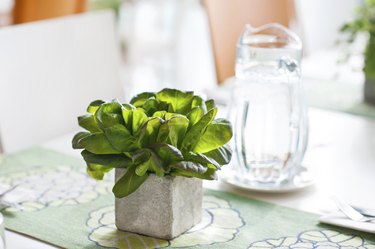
(370, 91)
(162, 207)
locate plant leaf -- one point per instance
(127, 115)
(163, 106)
(150, 106)
(110, 161)
(163, 133)
(149, 131)
(128, 107)
(210, 104)
(199, 102)
(98, 143)
(210, 174)
(109, 114)
(141, 156)
(221, 155)
(141, 98)
(178, 126)
(97, 171)
(193, 135)
(169, 115)
(195, 115)
(128, 183)
(156, 165)
(77, 137)
(88, 122)
(178, 101)
(159, 114)
(138, 119)
(94, 105)
(121, 139)
(218, 133)
(201, 159)
(142, 168)
(153, 164)
(168, 153)
(187, 166)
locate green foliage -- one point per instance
(364, 21)
(170, 132)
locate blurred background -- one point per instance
(146, 24)
(186, 44)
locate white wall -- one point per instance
(320, 20)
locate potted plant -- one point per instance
(365, 22)
(161, 146)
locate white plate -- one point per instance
(302, 180)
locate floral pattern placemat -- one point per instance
(71, 210)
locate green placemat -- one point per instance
(337, 96)
(73, 211)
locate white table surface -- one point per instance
(340, 155)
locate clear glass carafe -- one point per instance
(267, 108)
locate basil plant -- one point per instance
(168, 133)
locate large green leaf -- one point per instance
(109, 114)
(128, 183)
(128, 107)
(98, 143)
(179, 101)
(163, 106)
(201, 159)
(127, 115)
(121, 139)
(187, 166)
(94, 105)
(77, 137)
(159, 114)
(141, 98)
(195, 115)
(142, 168)
(193, 135)
(210, 174)
(138, 119)
(149, 131)
(150, 106)
(199, 102)
(153, 164)
(221, 155)
(111, 161)
(163, 133)
(169, 115)
(178, 126)
(88, 122)
(168, 153)
(141, 156)
(218, 133)
(210, 104)
(97, 171)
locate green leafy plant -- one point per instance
(364, 22)
(165, 133)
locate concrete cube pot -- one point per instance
(162, 207)
(369, 91)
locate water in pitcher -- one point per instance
(267, 105)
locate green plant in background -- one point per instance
(364, 22)
(115, 5)
(165, 133)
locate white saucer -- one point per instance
(302, 180)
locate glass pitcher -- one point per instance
(267, 107)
